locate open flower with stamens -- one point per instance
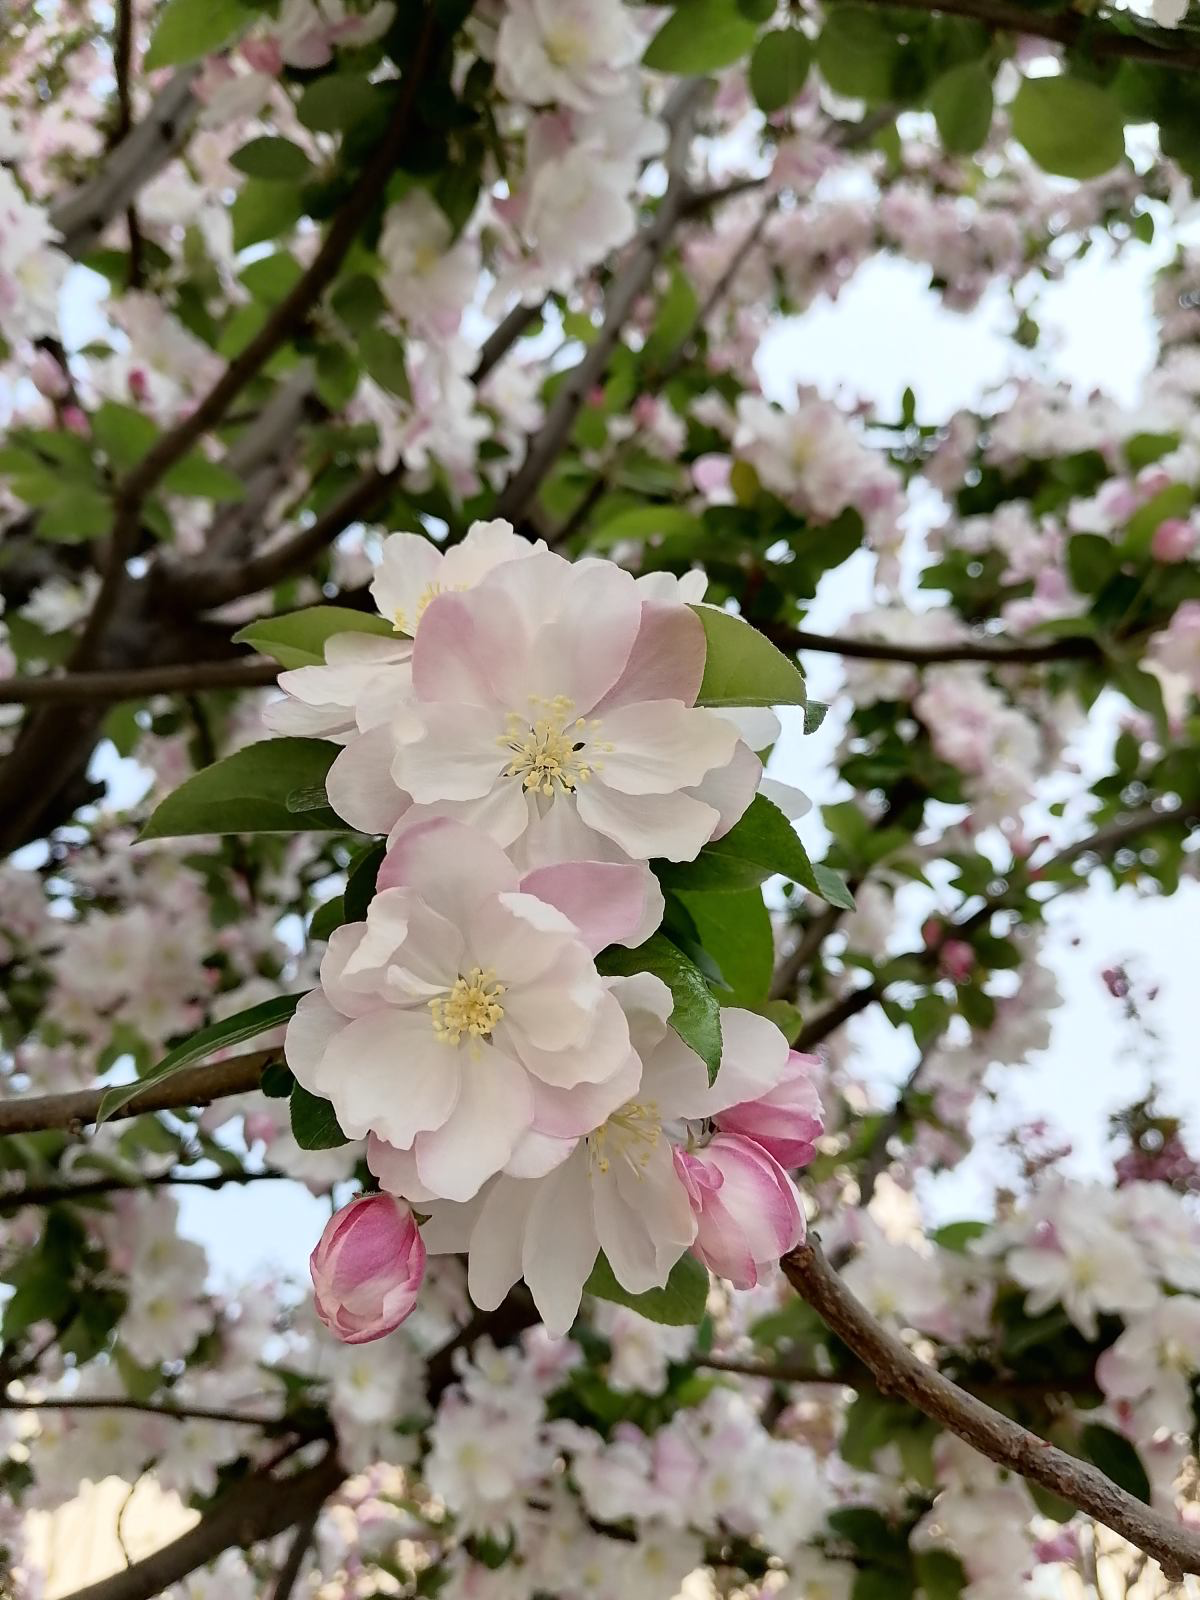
(553, 706)
(621, 1188)
(465, 1017)
(366, 675)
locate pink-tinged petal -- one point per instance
(522, 937)
(470, 650)
(311, 1027)
(660, 746)
(754, 1058)
(367, 652)
(750, 1218)
(600, 605)
(453, 868)
(731, 788)
(666, 662)
(609, 902)
(568, 1113)
(493, 1110)
(352, 999)
(385, 693)
(536, 1154)
(598, 1056)
(788, 1120)
(405, 579)
(360, 786)
(388, 1073)
(449, 1224)
(494, 1263)
(487, 545)
(643, 1219)
(367, 1268)
(396, 1171)
(560, 1245)
(647, 826)
(448, 752)
(406, 952)
(647, 1004)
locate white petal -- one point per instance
(360, 785)
(560, 1245)
(454, 869)
(493, 1110)
(494, 1263)
(449, 752)
(313, 1024)
(388, 1073)
(647, 826)
(662, 745)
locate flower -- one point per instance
(458, 1017)
(618, 1189)
(788, 1120)
(565, 51)
(428, 277)
(748, 1212)
(367, 1268)
(553, 701)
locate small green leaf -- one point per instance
(677, 313)
(336, 102)
(696, 1016)
(360, 881)
(961, 102)
(328, 916)
(248, 792)
(761, 844)
(779, 67)
(735, 930)
(205, 480)
(742, 667)
(1117, 1459)
(700, 36)
(1069, 126)
(645, 522)
(1091, 561)
(679, 1304)
(858, 53)
(75, 514)
(314, 1122)
(940, 1574)
(123, 433)
(297, 639)
(277, 1081)
(815, 712)
(274, 160)
(264, 210)
(187, 30)
(217, 1036)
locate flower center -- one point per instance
(472, 1007)
(630, 1135)
(550, 747)
(400, 617)
(566, 45)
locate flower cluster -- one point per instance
(530, 740)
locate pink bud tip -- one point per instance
(367, 1268)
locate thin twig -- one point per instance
(84, 688)
(897, 1371)
(49, 1194)
(152, 1408)
(289, 1572)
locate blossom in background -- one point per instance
(571, 52)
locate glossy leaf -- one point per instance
(679, 1304)
(248, 792)
(742, 667)
(297, 639)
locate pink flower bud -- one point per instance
(75, 421)
(1174, 540)
(747, 1209)
(1116, 981)
(139, 385)
(367, 1268)
(264, 55)
(786, 1122)
(956, 959)
(47, 376)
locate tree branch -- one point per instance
(152, 1408)
(190, 1086)
(87, 688)
(289, 1572)
(897, 1371)
(1160, 47)
(994, 651)
(123, 67)
(48, 1194)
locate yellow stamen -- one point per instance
(472, 1007)
(631, 1134)
(551, 750)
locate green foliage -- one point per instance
(779, 67)
(314, 1122)
(760, 845)
(858, 53)
(701, 36)
(680, 1303)
(735, 930)
(1069, 125)
(264, 209)
(1117, 1459)
(186, 31)
(961, 102)
(274, 786)
(742, 668)
(695, 1016)
(298, 638)
(272, 159)
(217, 1036)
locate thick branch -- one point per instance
(87, 688)
(998, 652)
(897, 1371)
(1160, 47)
(190, 1086)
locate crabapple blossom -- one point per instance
(748, 1212)
(788, 1120)
(479, 982)
(570, 52)
(367, 1268)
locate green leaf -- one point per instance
(1176, 500)
(297, 639)
(696, 1016)
(329, 915)
(206, 480)
(961, 102)
(248, 792)
(1091, 561)
(217, 1036)
(742, 667)
(940, 1574)
(75, 514)
(336, 102)
(123, 433)
(272, 277)
(760, 844)
(700, 36)
(1069, 126)
(677, 313)
(274, 160)
(779, 67)
(264, 210)
(815, 712)
(646, 522)
(189, 29)
(735, 930)
(360, 881)
(314, 1122)
(858, 53)
(1117, 1459)
(679, 1304)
